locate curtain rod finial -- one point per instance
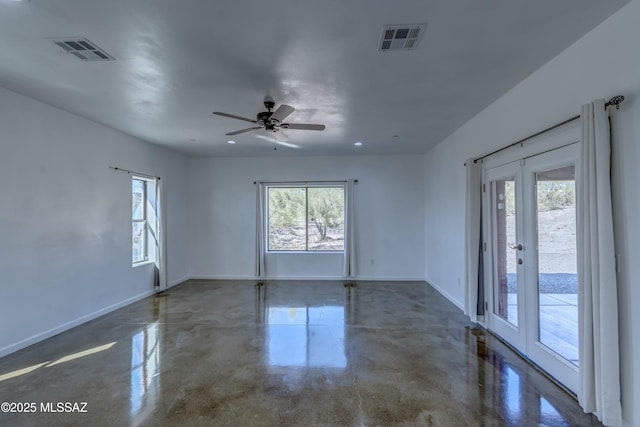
(616, 100)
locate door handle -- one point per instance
(518, 247)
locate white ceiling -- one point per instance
(177, 61)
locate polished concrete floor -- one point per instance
(216, 353)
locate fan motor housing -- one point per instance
(264, 116)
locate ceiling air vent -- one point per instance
(82, 48)
(401, 37)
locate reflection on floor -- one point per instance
(306, 337)
(284, 353)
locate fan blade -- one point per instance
(282, 112)
(218, 113)
(302, 126)
(281, 136)
(243, 131)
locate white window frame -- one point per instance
(306, 186)
(144, 221)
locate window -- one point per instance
(303, 218)
(140, 252)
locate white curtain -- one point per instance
(349, 269)
(473, 219)
(160, 210)
(260, 215)
(598, 308)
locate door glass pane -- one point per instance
(505, 281)
(557, 261)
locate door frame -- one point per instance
(560, 368)
(544, 147)
(513, 334)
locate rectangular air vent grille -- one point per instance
(82, 48)
(400, 37)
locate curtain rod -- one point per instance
(146, 175)
(616, 100)
(305, 182)
(520, 141)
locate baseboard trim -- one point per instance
(445, 294)
(217, 277)
(11, 348)
(387, 279)
(178, 282)
(222, 277)
(327, 278)
(317, 278)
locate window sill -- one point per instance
(304, 252)
(142, 263)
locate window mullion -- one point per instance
(306, 219)
(145, 255)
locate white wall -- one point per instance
(603, 63)
(65, 245)
(389, 215)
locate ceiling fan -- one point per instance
(271, 121)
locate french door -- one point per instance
(531, 259)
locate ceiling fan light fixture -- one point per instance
(271, 121)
